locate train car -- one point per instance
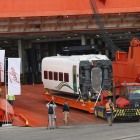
(84, 75)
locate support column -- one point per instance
(83, 40)
(92, 41)
(46, 51)
(20, 54)
(38, 47)
(100, 43)
(113, 55)
(30, 45)
(54, 49)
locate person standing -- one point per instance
(66, 112)
(0, 92)
(51, 111)
(110, 109)
(10, 99)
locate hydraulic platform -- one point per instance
(72, 101)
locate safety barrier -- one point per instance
(24, 120)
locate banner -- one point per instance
(14, 87)
(2, 56)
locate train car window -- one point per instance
(45, 74)
(66, 77)
(60, 76)
(55, 76)
(50, 75)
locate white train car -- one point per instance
(71, 74)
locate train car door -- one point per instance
(96, 79)
(74, 79)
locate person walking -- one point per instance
(51, 111)
(110, 110)
(66, 112)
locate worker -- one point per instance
(136, 94)
(0, 92)
(137, 91)
(110, 109)
(51, 111)
(66, 112)
(10, 99)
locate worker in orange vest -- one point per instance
(110, 110)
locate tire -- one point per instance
(0, 124)
(96, 113)
(136, 120)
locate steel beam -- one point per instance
(73, 22)
(57, 24)
(121, 19)
(25, 25)
(89, 21)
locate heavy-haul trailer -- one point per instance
(86, 77)
(82, 77)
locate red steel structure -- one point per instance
(26, 8)
(29, 16)
(127, 69)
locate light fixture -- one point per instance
(120, 37)
(37, 39)
(44, 36)
(22, 18)
(5, 41)
(129, 32)
(75, 34)
(98, 35)
(138, 29)
(68, 37)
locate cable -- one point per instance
(111, 46)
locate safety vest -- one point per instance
(108, 107)
(10, 97)
(0, 91)
(137, 91)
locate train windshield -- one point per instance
(96, 79)
(133, 92)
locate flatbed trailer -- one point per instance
(60, 98)
(120, 114)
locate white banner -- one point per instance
(14, 87)
(2, 56)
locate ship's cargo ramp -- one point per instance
(32, 106)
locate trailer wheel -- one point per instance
(137, 120)
(0, 124)
(96, 112)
